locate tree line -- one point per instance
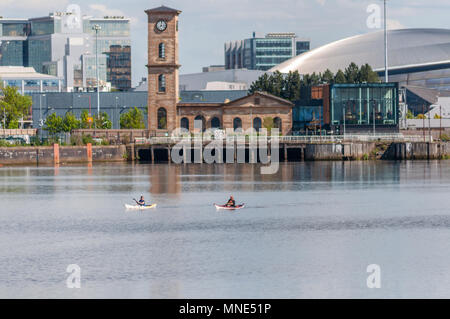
(55, 124)
(13, 107)
(289, 86)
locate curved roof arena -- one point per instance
(407, 49)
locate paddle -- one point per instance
(137, 202)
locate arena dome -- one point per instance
(409, 51)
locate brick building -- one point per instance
(166, 112)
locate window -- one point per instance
(162, 51)
(162, 83)
(277, 123)
(199, 123)
(237, 124)
(257, 101)
(215, 123)
(184, 123)
(257, 124)
(162, 118)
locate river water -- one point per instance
(308, 231)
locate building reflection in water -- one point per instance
(174, 179)
(165, 179)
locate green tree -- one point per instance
(13, 106)
(352, 73)
(339, 78)
(54, 124)
(84, 120)
(261, 84)
(327, 77)
(268, 124)
(292, 84)
(366, 74)
(70, 122)
(409, 115)
(103, 121)
(133, 119)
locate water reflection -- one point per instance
(310, 230)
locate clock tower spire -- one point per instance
(162, 69)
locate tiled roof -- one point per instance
(163, 9)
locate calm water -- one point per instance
(309, 231)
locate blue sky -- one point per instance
(206, 24)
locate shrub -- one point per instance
(445, 138)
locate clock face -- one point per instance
(161, 25)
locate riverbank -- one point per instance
(293, 152)
(56, 154)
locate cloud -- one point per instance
(50, 5)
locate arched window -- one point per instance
(257, 124)
(162, 51)
(277, 123)
(162, 83)
(237, 123)
(184, 123)
(215, 122)
(162, 118)
(200, 120)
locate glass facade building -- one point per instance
(12, 52)
(114, 42)
(362, 107)
(56, 44)
(263, 53)
(353, 108)
(39, 52)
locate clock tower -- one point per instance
(162, 69)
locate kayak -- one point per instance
(229, 207)
(139, 206)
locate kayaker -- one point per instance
(141, 201)
(231, 202)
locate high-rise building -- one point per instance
(63, 44)
(263, 53)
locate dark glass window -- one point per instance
(257, 123)
(162, 83)
(162, 118)
(184, 123)
(215, 122)
(162, 50)
(237, 123)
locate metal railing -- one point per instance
(396, 137)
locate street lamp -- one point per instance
(116, 118)
(41, 121)
(386, 75)
(97, 28)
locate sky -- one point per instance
(205, 25)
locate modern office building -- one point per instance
(63, 44)
(27, 80)
(263, 53)
(217, 80)
(349, 108)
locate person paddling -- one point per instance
(141, 201)
(231, 202)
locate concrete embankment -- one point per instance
(319, 152)
(417, 151)
(61, 154)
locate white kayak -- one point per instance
(139, 206)
(229, 207)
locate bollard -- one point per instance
(89, 152)
(55, 153)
